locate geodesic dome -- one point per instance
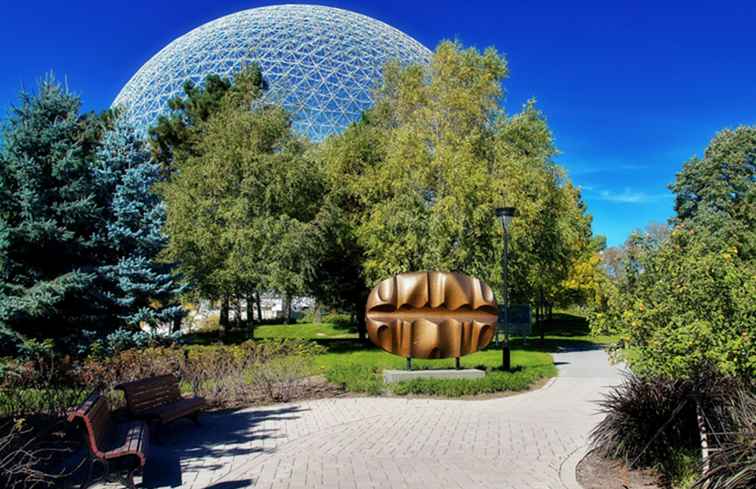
(321, 63)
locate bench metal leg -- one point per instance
(127, 479)
(91, 479)
(88, 481)
(153, 425)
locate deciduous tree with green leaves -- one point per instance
(240, 202)
(177, 134)
(716, 194)
(684, 301)
(417, 180)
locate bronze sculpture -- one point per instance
(431, 315)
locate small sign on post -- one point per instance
(515, 321)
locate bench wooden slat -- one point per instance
(159, 399)
(107, 440)
(132, 439)
(94, 413)
(146, 394)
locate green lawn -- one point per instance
(359, 367)
(307, 331)
(566, 329)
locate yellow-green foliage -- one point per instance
(239, 203)
(693, 308)
(419, 178)
(684, 302)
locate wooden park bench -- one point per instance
(119, 448)
(158, 400)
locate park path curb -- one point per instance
(568, 468)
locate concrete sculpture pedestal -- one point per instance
(392, 376)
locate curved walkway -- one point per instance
(533, 440)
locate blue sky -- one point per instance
(631, 89)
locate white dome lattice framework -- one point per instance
(321, 63)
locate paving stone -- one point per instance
(532, 440)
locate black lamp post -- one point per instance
(505, 215)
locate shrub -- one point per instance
(122, 340)
(282, 379)
(107, 372)
(685, 308)
(356, 378)
(220, 374)
(208, 324)
(367, 379)
(36, 391)
(40, 382)
(20, 457)
(227, 376)
(254, 371)
(494, 381)
(338, 319)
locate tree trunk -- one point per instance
(703, 435)
(316, 313)
(223, 320)
(287, 308)
(237, 312)
(361, 327)
(259, 305)
(540, 315)
(176, 324)
(250, 300)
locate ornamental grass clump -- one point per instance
(645, 420)
(732, 464)
(651, 422)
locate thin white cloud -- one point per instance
(628, 196)
(609, 168)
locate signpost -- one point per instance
(516, 321)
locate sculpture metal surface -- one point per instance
(431, 315)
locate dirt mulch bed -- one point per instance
(597, 472)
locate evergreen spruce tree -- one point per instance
(137, 287)
(48, 216)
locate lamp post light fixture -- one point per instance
(505, 215)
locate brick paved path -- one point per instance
(533, 440)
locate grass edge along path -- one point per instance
(361, 371)
(358, 368)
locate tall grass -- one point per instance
(653, 423)
(733, 463)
